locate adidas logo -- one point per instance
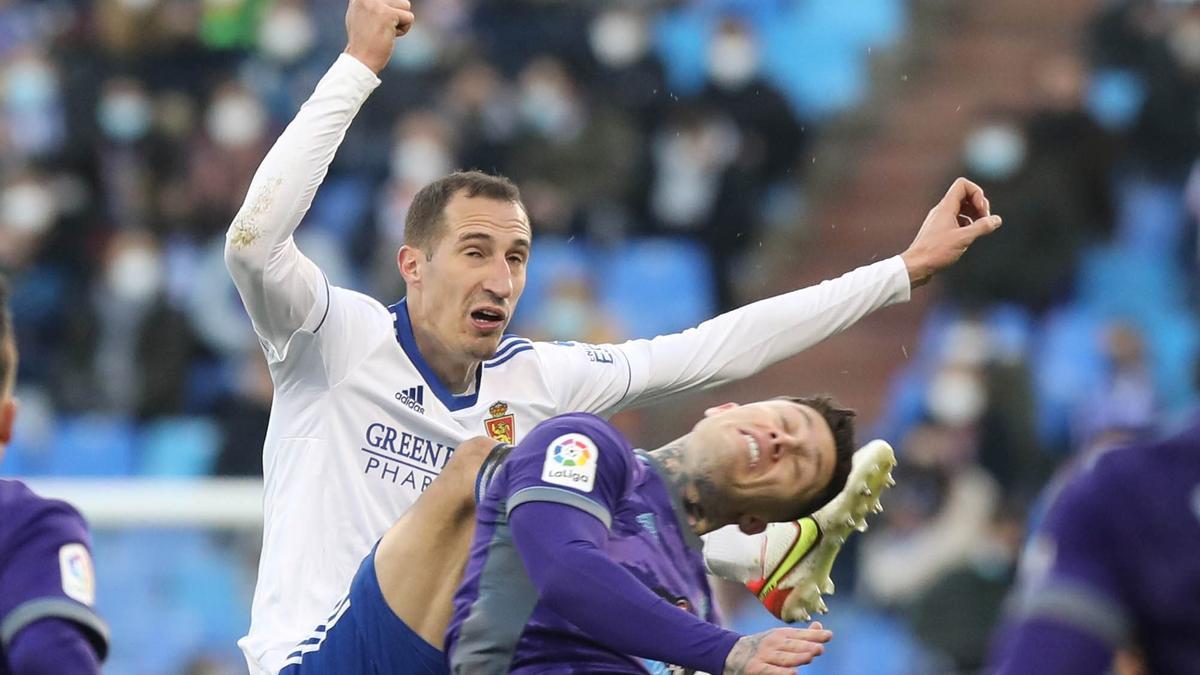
(413, 397)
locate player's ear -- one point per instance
(8, 415)
(749, 524)
(409, 259)
(720, 408)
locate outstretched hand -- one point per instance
(961, 217)
(372, 27)
(778, 651)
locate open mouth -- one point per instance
(488, 318)
(752, 449)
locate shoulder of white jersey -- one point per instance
(510, 347)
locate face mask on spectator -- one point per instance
(124, 116)
(995, 152)
(28, 207)
(236, 120)
(955, 398)
(135, 274)
(565, 318)
(416, 52)
(287, 33)
(29, 86)
(732, 61)
(420, 160)
(546, 109)
(618, 39)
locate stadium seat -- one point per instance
(553, 260)
(658, 285)
(93, 445)
(179, 447)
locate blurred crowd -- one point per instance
(1071, 331)
(129, 131)
(658, 138)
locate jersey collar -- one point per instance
(404, 335)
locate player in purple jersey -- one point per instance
(586, 554)
(773, 459)
(1115, 566)
(47, 624)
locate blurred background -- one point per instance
(677, 158)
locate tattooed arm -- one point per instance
(777, 652)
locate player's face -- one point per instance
(765, 458)
(471, 285)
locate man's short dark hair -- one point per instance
(426, 216)
(8, 346)
(841, 423)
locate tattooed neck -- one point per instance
(688, 488)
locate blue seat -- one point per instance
(179, 446)
(1117, 280)
(168, 595)
(1066, 363)
(554, 259)
(93, 445)
(658, 285)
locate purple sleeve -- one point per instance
(47, 574)
(51, 647)
(1067, 614)
(582, 584)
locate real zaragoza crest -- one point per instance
(500, 426)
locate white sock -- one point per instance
(733, 556)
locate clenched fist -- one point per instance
(372, 27)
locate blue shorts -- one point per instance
(364, 635)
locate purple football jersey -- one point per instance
(45, 567)
(581, 461)
(1116, 563)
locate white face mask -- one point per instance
(27, 207)
(135, 275)
(420, 160)
(618, 39)
(732, 61)
(30, 85)
(995, 152)
(416, 52)
(124, 116)
(138, 5)
(286, 34)
(236, 121)
(546, 109)
(955, 398)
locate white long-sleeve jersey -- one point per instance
(360, 424)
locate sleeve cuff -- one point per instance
(725, 645)
(559, 496)
(901, 287)
(55, 608)
(356, 71)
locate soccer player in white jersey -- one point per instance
(370, 401)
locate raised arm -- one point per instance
(282, 289)
(745, 341)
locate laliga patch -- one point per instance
(571, 462)
(78, 579)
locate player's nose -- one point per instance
(499, 280)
